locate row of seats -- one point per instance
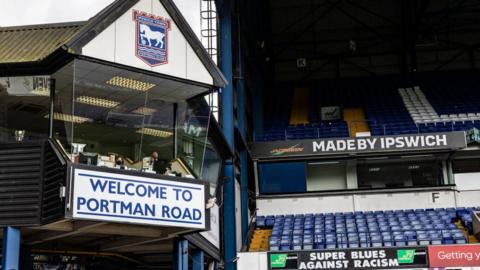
(409, 128)
(365, 229)
(336, 129)
(340, 130)
(422, 111)
(441, 104)
(455, 94)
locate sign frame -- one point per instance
(144, 50)
(70, 187)
(351, 146)
(340, 262)
(453, 255)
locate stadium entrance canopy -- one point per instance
(106, 140)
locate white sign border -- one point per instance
(69, 204)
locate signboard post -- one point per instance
(116, 197)
(352, 259)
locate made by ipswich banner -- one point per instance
(368, 258)
(360, 145)
(125, 198)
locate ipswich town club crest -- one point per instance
(151, 42)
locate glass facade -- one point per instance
(112, 117)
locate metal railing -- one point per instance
(375, 128)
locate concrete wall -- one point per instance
(368, 202)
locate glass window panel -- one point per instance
(112, 117)
(192, 132)
(24, 106)
(399, 175)
(63, 107)
(466, 165)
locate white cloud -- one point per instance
(26, 12)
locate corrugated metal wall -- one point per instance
(30, 178)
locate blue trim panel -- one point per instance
(11, 248)
(198, 260)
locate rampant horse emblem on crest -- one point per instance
(151, 42)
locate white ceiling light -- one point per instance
(144, 111)
(155, 132)
(69, 118)
(130, 83)
(99, 102)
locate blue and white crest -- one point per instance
(151, 42)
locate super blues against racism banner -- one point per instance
(372, 258)
(408, 142)
(126, 198)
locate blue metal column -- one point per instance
(11, 248)
(198, 260)
(25, 257)
(244, 192)
(241, 116)
(242, 126)
(181, 256)
(226, 63)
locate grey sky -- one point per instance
(26, 12)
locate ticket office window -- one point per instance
(106, 116)
(24, 105)
(399, 175)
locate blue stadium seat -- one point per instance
(369, 229)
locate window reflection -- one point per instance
(24, 104)
(194, 142)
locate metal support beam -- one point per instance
(242, 126)
(300, 19)
(366, 26)
(26, 259)
(450, 60)
(11, 248)
(257, 104)
(371, 12)
(137, 241)
(226, 65)
(244, 192)
(181, 261)
(307, 28)
(227, 117)
(198, 260)
(77, 228)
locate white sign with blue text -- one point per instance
(135, 199)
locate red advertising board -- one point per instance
(454, 255)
